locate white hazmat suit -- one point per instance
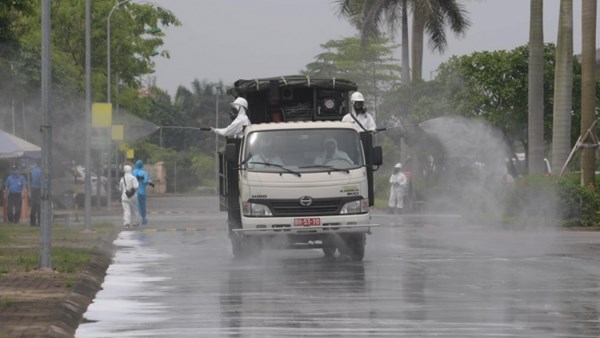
(364, 118)
(130, 210)
(399, 185)
(236, 128)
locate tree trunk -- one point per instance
(563, 87)
(588, 89)
(536, 89)
(417, 46)
(405, 75)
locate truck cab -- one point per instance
(299, 177)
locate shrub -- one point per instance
(559, 200)
(580, 205)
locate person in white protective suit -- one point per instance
(264, 154)
(131, 216)
(240, 120)
(331, 152)
(399, 185)
(362, 120)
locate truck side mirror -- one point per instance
(231, 155)
(377, 155)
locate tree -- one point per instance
(368, 15)
(9, 11)
(431, 16)
(535, 89)
(11, 63)
(135, 40)
(192, 108)
(135, 44)
(563, 87)
(588, 88)
(491, 85)
(371, 66)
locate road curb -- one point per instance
(82, 295)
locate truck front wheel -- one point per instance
(243, 246)
(329, 246)
(354, 246)
(357, 245)
(236, 245)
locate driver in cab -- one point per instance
(264, 155)
(331, 152)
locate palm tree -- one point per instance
(431, 16)
(563, 86)
(536, 89)
(369, 15)
(588, 89)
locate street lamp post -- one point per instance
(108, 83)
(217, 138)
(108, 99)
(109, 92)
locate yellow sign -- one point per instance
(130, 154)
(101, 115)
(117, 132)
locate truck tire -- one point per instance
(243, 246)
(236, 245)
(357, 246)
(353, 247)
(329, 246)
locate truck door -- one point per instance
(228, 184)
(372, 158)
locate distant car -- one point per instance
(521, 165)
(69, 188)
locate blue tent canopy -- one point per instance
(14, 147)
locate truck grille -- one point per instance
(319, 206)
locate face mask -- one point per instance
(233, 112)
(359, 107)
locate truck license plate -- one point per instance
(307, 221)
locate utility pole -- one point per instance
(88, 116)
(46, 211)
(217, 138)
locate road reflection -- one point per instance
(278, 295)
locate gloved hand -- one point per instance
(151, 184)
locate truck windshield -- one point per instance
(303, 150)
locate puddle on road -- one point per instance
(125, 294)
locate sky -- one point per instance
(226, 40)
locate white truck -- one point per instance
(299, 177)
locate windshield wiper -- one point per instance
(278, 166)
(330, 168)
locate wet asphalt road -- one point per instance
(420, 278)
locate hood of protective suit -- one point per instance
(139, 164)
(357, 102)
(356, 96)
(127, 169)
(240, 104)
(330, 140)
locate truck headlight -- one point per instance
(255, 209)
(356, 207)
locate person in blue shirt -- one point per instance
(13, 188)
(36, 193)
(143, 180)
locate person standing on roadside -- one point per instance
(398, 187)
(36, 193)
(14, 185)
(143, 181)
(128, 187)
